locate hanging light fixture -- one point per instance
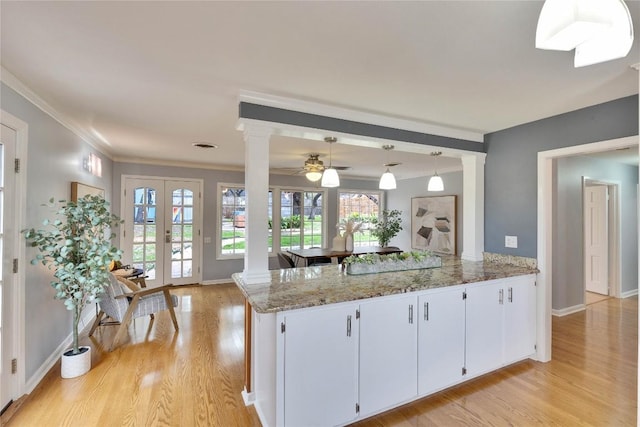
(330, 176)
(313, 167)
(599, 30)
(387, 180)
(435, 182)
(313, 176)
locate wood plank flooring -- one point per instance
(194, 377)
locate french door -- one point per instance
(7, 276)
(161, 230)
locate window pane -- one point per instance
(360, 207)
(176, 251)
(150, 235)
(138, 233)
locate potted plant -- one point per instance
(76, 243)
(387, 227)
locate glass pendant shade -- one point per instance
(599, 30)
(313, 176)
(330, 178)
(387, 181)
(435, 183)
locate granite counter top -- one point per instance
(296, 288)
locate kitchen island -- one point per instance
(328, 348)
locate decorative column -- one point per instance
(256, 184)
(473, 206)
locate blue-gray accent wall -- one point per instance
(512, 162)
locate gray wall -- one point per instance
(214, 269)
(568, 249)
(53, 161)
(400, 199)
(511, 166)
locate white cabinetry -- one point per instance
(388, 352)
(500, 318)
(320, 366)
(441, 337)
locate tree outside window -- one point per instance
(360, 206)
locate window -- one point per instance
(361, 206)
(299, 213)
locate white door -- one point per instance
(388, 353)
(596, 242)
(7, 277)
(320, 367)
(161, 230)
(441, 331)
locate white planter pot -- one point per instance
(76, 365)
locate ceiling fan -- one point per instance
(312, 168)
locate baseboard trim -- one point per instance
(87, 319)
(631, 293)
(248, 398)
(217, 281)
(569, 310)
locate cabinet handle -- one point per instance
(426, 311)
(411, 313)
(349, 325)
(510, 294)
(501, 296)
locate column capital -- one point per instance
(257, 131)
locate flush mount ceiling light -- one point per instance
(435, 182)
(599, 30)
(330, 176)
(387, 180)
(204, 145)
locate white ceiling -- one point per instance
(147, 79)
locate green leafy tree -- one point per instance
(77, 245)
(387, 226)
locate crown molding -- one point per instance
(327, 110)
(14, 83)
(177, 163)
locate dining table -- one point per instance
(306, 255)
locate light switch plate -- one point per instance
(510, 241)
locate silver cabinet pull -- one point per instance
(501, 296)
(410, 313)
(349, 325)
(510, 294)
(426, 311)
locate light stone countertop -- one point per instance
(295, 288)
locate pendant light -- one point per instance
(330, 176)
(387, 180)
(598, 30)
(435, 182)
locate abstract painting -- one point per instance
(433, 224)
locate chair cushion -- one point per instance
(152, 304)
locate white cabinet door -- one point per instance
(520, 318)
(388, 352)
(441, 338)
(320, 366)
(484, 322)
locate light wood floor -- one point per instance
(194, 377)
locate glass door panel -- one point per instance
(184, 243)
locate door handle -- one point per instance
(510, 294)
(501, 296)
(426, 311)
(411, 313)
(167, 237)
(349, 325)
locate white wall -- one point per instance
(400, 199)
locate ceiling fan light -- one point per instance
(330, 178)
(435, 183)
(313, 176)
(387, 181)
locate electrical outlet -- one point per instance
(510, 241)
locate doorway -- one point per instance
(601, 214)
(162, 229)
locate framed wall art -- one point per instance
(433, 224)
(79, 190)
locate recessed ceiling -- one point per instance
(148, 78)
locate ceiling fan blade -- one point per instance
(341, 168)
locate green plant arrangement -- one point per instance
(386, 227)
(77, 244)
(374, 263)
